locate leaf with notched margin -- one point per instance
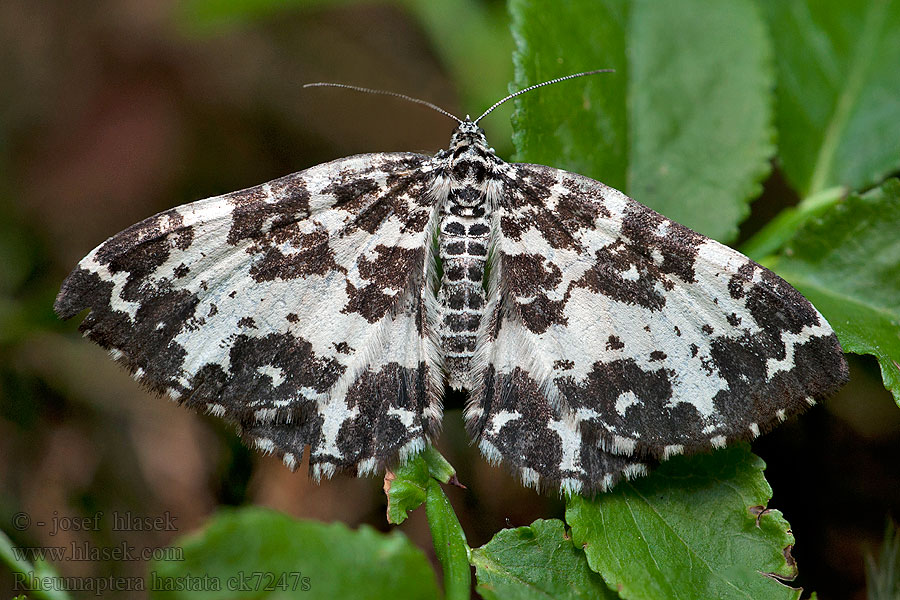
(695, 528)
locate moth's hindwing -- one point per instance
(292, 308)
(618, 337)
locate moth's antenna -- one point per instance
(385, 93)
(537, 85)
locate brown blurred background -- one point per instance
(113, 110)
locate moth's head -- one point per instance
(467, 134)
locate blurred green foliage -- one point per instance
(883, 573)
(464, 33)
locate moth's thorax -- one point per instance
(470, 167)
(464, 231)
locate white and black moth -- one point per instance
(329, 309)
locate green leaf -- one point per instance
(535, 562)
(847, 262)
(405, 490)
(695, 528)
(682, 126)
(449, 543)
(405, 487)
(438, 466)
(245, 551)
(838, 82)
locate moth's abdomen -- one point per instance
(463, 251)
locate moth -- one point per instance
(330, 308)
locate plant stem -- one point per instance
(449, 543)
(782, 228)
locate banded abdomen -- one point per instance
(464, 238)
